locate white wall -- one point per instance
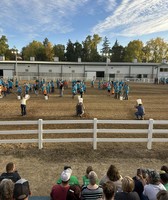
(47, 68)
(7, 74)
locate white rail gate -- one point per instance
(95, 131)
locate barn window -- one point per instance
(163, 69)
(50, 70)
(26, 70)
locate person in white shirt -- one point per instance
(154, 185)
(23, 104)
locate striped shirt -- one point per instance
(91, 194)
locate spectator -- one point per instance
(127, 193)
(109, 190)
(164, 168)
(74, 193)
(164, 179)
(139, 181)
(11, 173)
(21, 190)
(6, 189)
(85, 177)
(92, 191)
(162, 195)
(73, 179)
(153, 186)
(59, 191)
(114, 176)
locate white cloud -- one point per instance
(134, 17)
(35, 15)
(33, 19)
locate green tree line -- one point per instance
(155, 50)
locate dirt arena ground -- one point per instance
(43, 167)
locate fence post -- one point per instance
(95, 133)
(40, 133)
(150, 133)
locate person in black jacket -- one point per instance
(127, 193)
(10, 173)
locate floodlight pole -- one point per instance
(107, 55)
(15, 51)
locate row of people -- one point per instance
(145, 185)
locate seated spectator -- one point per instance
(73, 179)
(114, 176)
(92, 191)
(153, 186)
(59, 191)
(139, 181)
(10, 173)
(127, 193)
(108, 190)
(6, 189)
(74, 193)
(162, 195)
(85, 177)
(164, 179)
(21, 190)
(164, 168)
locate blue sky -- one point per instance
(23, 21)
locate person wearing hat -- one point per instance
(140, 110)
(154, 185)
(164, 178)
(59, 191)
(73, 179)
(21, 190)
(92, 191)
(164, 168)
(80, 108)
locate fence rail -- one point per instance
(40, 131)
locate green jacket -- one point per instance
(73, 181)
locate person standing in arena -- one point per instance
(23, 104)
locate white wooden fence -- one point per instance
(40, 131)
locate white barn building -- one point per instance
(31, 70)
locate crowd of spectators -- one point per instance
(147, 184)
